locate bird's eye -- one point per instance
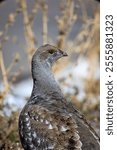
(51, 51)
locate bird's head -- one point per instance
(43, 78)
(48, 55)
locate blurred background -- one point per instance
(25, 25)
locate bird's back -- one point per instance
(55, 125)
(48, 128)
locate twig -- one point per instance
(10, 22)
(3, 39)
(45, 22)
(29, 35)
(83, 10)
(14, 61)
(5, 78)
(65, 22)
(34, 11)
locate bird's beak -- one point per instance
(65, 54)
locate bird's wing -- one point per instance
(42, 129)
(85, 129)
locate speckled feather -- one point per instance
(48, 121)
(41, 128)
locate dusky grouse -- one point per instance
(48, 121)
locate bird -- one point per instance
(48, 121)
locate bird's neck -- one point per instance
(44, 82)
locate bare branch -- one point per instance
(45, 22)
(29, 35)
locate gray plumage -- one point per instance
(48, 121)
